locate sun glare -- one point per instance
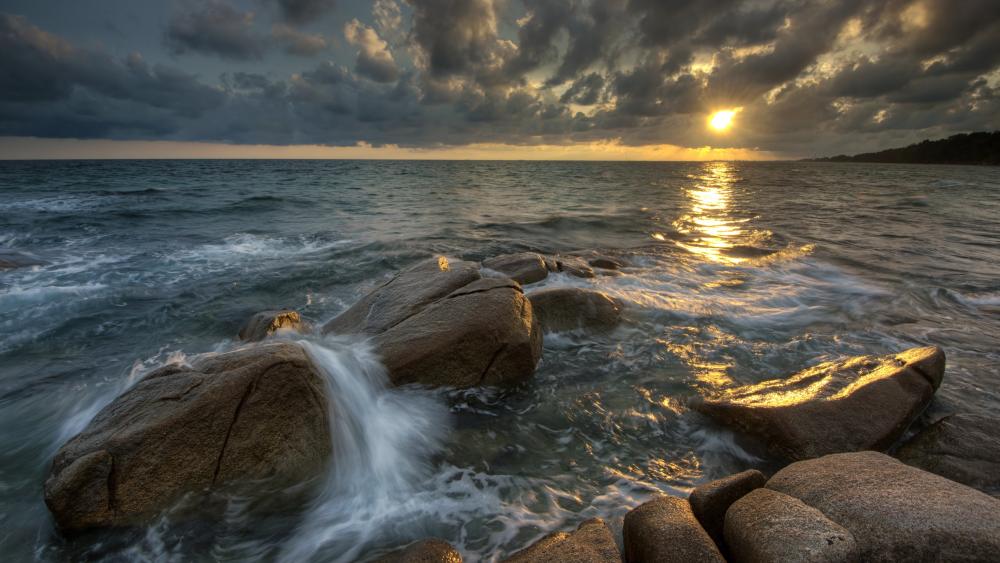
(722, 120)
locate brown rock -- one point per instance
(266, 323)
(961, 447)
(896, 512)
(523, 267)
(574, 266)
(10, 259)
(425, 551)
(404, 295)
(856, 404)
(710, 501)
(254, 414)
(665, 530)
(482, 334)
(766, 526)
(569, 308)
(590, 543)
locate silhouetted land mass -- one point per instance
(971, 148)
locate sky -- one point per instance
(531, 79)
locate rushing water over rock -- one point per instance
(735, 273)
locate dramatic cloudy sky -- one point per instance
(556, 77)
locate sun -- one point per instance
(722, 120)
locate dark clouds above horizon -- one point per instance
(810, 76)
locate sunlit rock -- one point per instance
(592, 542)
(254, 414)
(961, 447)
(574, 266)
(856, 404)
(523, 267)
(404, 295)
(11, 259)
(448, 326)
(266, 323)
(570, 308)
(710, 501)
(896, 512)
(424, 551)
(666, 530)
(766, 526)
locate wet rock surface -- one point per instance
(425, 551)
(592, 542)
(766, 526)
(267, 323)
(570, 308)
(896, 512)
(11, 259)
(255, 414)
(523, 267)
(861, 403)
(710, 501)
(665, 529)
(961, 447)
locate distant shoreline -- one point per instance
(980, 149)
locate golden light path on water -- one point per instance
(709, 225)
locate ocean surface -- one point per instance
(739, 272)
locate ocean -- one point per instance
(737, 272)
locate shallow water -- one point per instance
(739, 272)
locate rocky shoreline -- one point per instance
(257, 419)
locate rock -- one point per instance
(266, 323)
(253, 414)
(404, 295)
(710, 501)
(574, 266)
(856, 404)
(961, 447)
(590, 543)
(10, 259)
(598, 260)
(523, 267)
(766, 526)
(896, 512)
(424, 551)
(484, 333)
(570, 308)
(665, 530)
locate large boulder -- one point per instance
(484, 333)
(523, 267)
(570, 308)
(266, 323)
(404, 295)
(961, 447)
(856, 404)
(592, 542)
(896, 512)
(766, 526)
(665, 530)
(425, 551)
(710, 501)
(254, 414)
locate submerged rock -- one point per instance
(856, 404)
(441, 323)
(425, 551)
(266, 323)
(404, 295)
(11, 259)
(590, 543)
(666, 530)
(255, 414)
(710, 501)
(896, 512)
(961, 447)
(570, 308)
(523, 267)
(766, 526)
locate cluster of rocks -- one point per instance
(260, 415)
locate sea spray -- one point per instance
(382, 442)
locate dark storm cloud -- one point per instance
(805, 75)
(217, 28)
